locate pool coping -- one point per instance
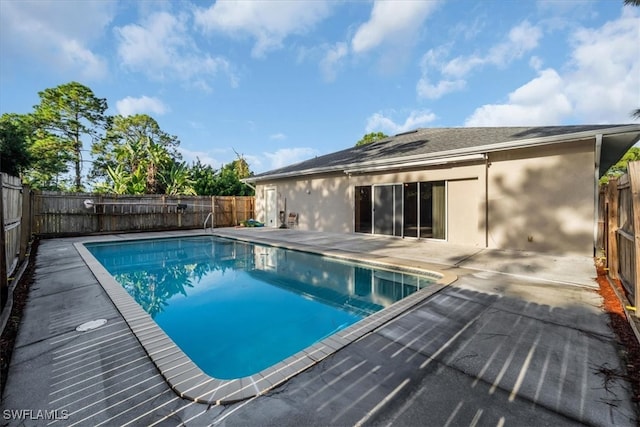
(190, 382)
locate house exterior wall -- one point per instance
(465, 216)
(322, 203)
(539, 199)
(542, 199)
(326, 203)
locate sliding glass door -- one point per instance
(412, 209)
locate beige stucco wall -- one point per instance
(325, 203)
(539, 199)
(465, 215)
(542, 199)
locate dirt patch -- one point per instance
(20, 295)
(620, 325)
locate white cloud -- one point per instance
(536, 63)
(58, 34)
(161, 48)
(469, 31)
(603, 77)
(278, 136)
(539, 102)
(425, 88)
(598, 85)
(142, 105)
(269, 23)
(332, 60)
(205, 157)
(287, 156)
(434, 91)
(391, 21)
(378, 122)
(521, 39)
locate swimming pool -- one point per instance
(242, 311)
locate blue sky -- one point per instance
(284, 81)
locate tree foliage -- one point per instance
(48, 161)
(177, 180)
(133, 149)
(620, 168)
(228, 178)
(132, 155)
(371, 137)
(204, 178)
(224, 182)
(14, 154)
(65, 115)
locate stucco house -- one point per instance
(521, 188)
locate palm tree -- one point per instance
(156, 157)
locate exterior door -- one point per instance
(271, 208)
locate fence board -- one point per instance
(11, 231)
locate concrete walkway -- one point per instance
(518, 339)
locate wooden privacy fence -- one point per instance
(56, 213)
(619, 231)
(16, 230)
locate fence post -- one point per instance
(634, 182)
(179, 213)
(4, 288)
(612, 227)
(25, 221)
(234, 210)
(213, 212)
(99, 213)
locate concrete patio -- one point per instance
(518, 339)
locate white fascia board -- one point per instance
(291, 174)
(404, 164)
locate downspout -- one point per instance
(248, 184)
(486, 200)
(596, 193)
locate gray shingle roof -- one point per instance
(429, 142)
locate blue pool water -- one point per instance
(237, 308)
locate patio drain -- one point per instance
(93, 324)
